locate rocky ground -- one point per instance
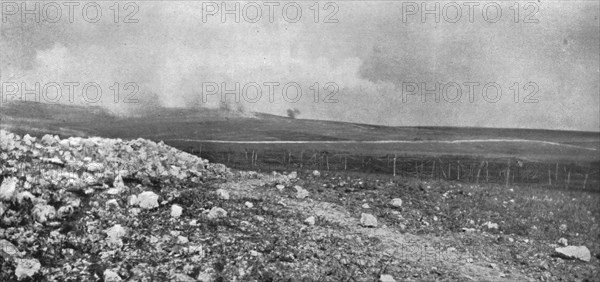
(115, 210)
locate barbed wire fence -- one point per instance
(507, 171)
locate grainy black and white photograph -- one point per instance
(299, 140)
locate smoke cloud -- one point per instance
(171, 54)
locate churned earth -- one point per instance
(99, 209)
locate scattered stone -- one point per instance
(132, 200)
(180, 277)
(8, 188)
(119, 184)
(254, 253)
(147, 200)
(193, 222)
(42, 212)
(204, 277)
(95, 167)
(310, 220)
(468, 230)
(490, 225)
(386, 278)
(182, 240)
(396, 202)
(111, 276)
(113, 191)
(365, 206)
(260, 218)
(117, 231)
(368, 220)
(562, 228)
(112, 203)
(249, 205)
(563, 242)
(574, 252)
(26, 268)
(280, 187)
(223, 194)
(301, 193)
(176, 211)
(8, 250)
(216, 212)
(316, 173)
(26, 195)
(293, 175)
(511, 240)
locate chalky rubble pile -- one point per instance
(46, 182)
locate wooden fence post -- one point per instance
(327, 160)
(433, 170)
(549, 177)
(585, 181)
(479, 171)
(556, 175)
(568, 178)
(458, 167)
(507, 172)
(345, 162)
(487, 172)
(394, 165)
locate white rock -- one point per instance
(117, 231)
(223, 194)
(490, 225)
(368, 220)
(280, 187)
(27, 268)
(310, 220)
(118, 183)
(26, 195)
(43, 212)
(365, 206)
(147, 200)
(8, 250)
(386, 278)
(132, 200)
(249, 205)
(316, 173)
(95, 167)
(3, 208)
(574, 252)
(48, 140)
(562, 228)
(204, 277)
(396, 202)
(180, 277)
(135, 211)
(563, 242)
(112, 203)
(8, 188)
(292, 175)
(182, 240)
(112, 191)
(468, 230)
(176, 211)
(111, 276)
(301, 193)
(216, 212)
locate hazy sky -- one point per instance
(372, 54)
